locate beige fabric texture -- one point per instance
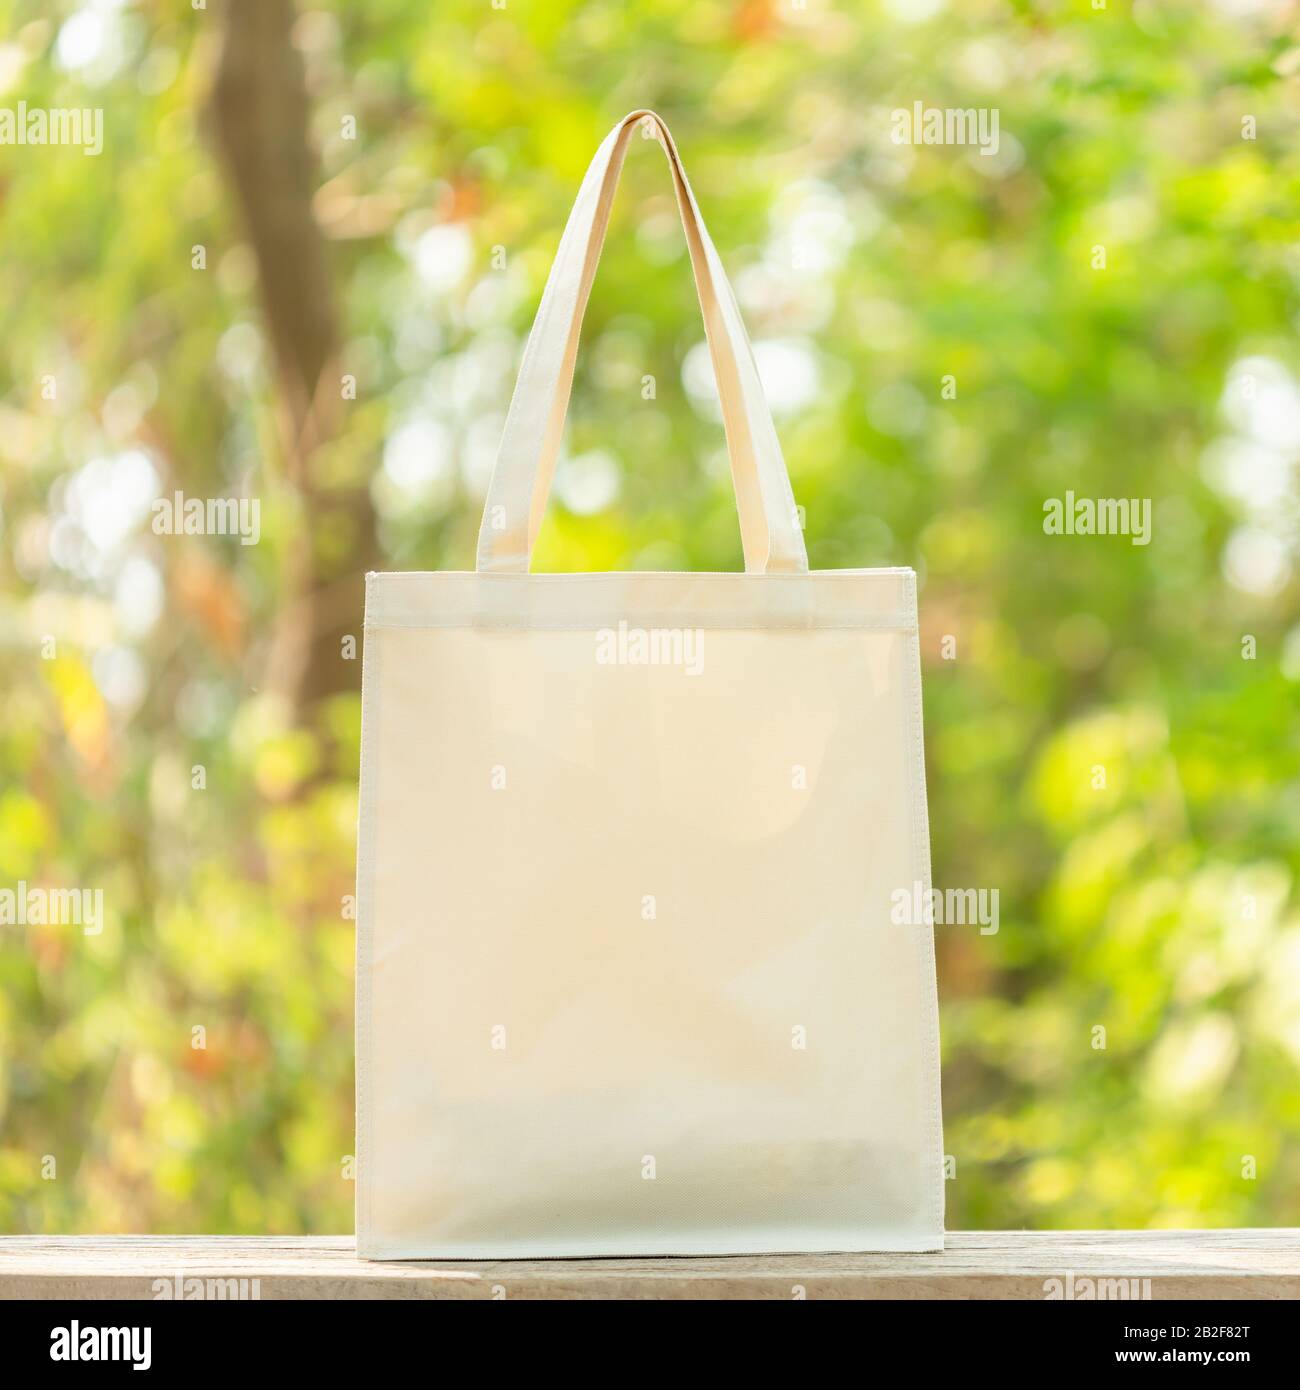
(628, 979)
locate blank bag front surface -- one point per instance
(629, 979)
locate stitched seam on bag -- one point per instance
(766, 623)
(364, 927)
(927, 964)
(929, 971)
(495, 576)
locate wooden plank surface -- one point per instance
(976, 1265)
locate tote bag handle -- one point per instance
(521, 481)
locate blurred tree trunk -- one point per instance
(260, 111)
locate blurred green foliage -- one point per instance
(1161, 907)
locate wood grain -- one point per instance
(976, 1265)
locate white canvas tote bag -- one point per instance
(628, 981)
